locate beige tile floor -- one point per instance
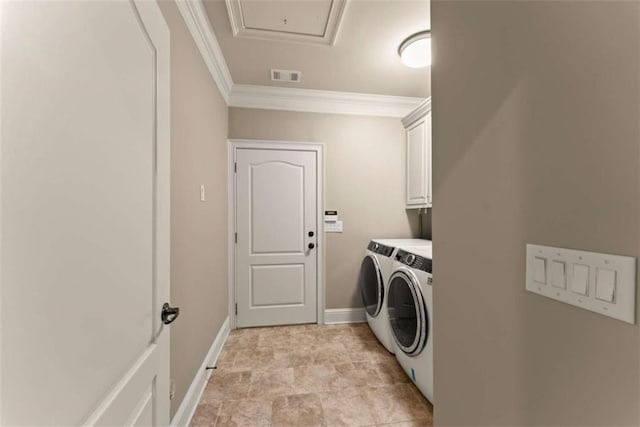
(309, 375)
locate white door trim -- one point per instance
(1, 268)
(1, 284)
(233, 145)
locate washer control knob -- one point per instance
(410, 259)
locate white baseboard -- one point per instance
(187, 408)
(344, 315)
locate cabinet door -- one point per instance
(417, 164)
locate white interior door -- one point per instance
(276, 225)
(85, 213)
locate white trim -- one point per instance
(334, 316)
(159, 31)
(321, 235)
(231, 229)
(2, 5)
(234, 10)
(418, 113)
(234, 144)
(191, 399)
(321, 101)
(197, 21)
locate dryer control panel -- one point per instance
(414, 261)
(380, 248)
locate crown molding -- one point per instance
(418, 113)
(321, 101)
(197, 21)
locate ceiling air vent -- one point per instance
(286, 76)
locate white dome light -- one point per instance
(415, 50)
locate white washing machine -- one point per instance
(410, 312)
(373, 283)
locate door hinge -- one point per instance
(235, 167)
(236, 309)
(236, 237)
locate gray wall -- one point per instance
(536, 139)
(198, 229)
(364, 182)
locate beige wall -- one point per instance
(364, 182)
(536, 139)
(198, 229)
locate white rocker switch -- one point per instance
(605, 285)
(580, 281)
(558, 277)
(540, 270)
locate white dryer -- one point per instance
(410, 311)
(373, 283)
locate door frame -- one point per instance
(263, 144)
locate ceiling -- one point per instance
(348, 50)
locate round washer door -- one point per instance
(371, 285)
(407, 313)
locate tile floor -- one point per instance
(309, 375)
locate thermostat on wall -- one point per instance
(330, 216)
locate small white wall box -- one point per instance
(596, 282)
(330, 216)
(333, 227)
(331, 223)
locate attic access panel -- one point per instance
(314, 21)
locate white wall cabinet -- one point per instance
(419, 186)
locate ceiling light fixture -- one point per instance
(415, 50)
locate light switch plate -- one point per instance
(623, 306)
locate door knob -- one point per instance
(311, 246)
(169, 314)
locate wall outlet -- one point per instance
(202, 195)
